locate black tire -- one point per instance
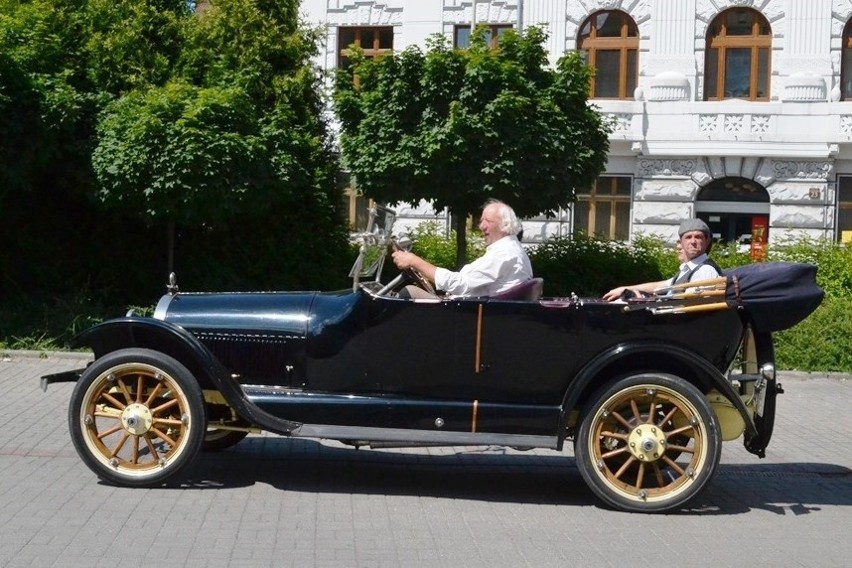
(137, 417)
(630, 446)
(218, 437)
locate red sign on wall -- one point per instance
(759, 234)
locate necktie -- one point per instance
(681, 276)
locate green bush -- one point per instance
(588, 266)
(834, 274)
(432, 243)
(820, 342)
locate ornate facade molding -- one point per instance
(846, 125)
(801, 169)
(802, 87)
(668, 86)
(493, 12)
(649, 167)
(365, 14)
(760, 123)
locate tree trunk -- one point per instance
(460, 222)
(170, 254)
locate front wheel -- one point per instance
(137, 417)
(648, 443)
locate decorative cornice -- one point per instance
(651, 167)
(364, 14)
(801, 169)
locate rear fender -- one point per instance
(632, 358)
(175, 341)
(760, 356)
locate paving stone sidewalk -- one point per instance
(274, 502)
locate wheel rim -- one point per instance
(649, 443)
(135, 419)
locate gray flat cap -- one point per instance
(693, 225)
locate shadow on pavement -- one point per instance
(499, 475)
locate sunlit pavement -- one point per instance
(271, 501)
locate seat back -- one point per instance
(530, 290)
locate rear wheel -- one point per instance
(219, 436)
(137, 417)
(648, 443)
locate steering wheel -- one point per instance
(412, 273)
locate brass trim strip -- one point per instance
(473, 417)
(477, 364)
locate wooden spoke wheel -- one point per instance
(137, 417)
(648, 443)
(219, 435)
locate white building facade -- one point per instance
(735, 111)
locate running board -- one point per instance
(363, 436)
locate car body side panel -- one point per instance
(260, 336)
(353, 358)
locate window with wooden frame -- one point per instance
(844, 209)
(461, 35)
(610, 41)
(736, 63)
(605, 210)
(846, 64)
(375, 41)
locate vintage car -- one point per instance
(647, 389)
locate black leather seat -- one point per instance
(529, 290)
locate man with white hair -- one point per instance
(695, 240)
(504, 264)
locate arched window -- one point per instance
(846, 64)
(736, 64)
(610, 40)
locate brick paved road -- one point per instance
(271, 501)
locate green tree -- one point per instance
(456, 127)
(121, 118)
(236, 131)
(48, 103)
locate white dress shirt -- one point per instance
(704, 271)
(504, 264)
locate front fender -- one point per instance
(175, 341)
(631, 358)
(148, 333)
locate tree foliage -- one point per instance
(123, 119)
(236, 129)
(456, 127)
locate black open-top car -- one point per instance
(647, 389)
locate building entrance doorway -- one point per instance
(728, 227)
(737, 211)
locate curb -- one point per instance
(808, 375)
(10, 354)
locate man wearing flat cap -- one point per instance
(695, 239)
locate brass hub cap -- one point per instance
(647, 443)
(136, 419)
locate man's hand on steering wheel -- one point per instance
(405, 261)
